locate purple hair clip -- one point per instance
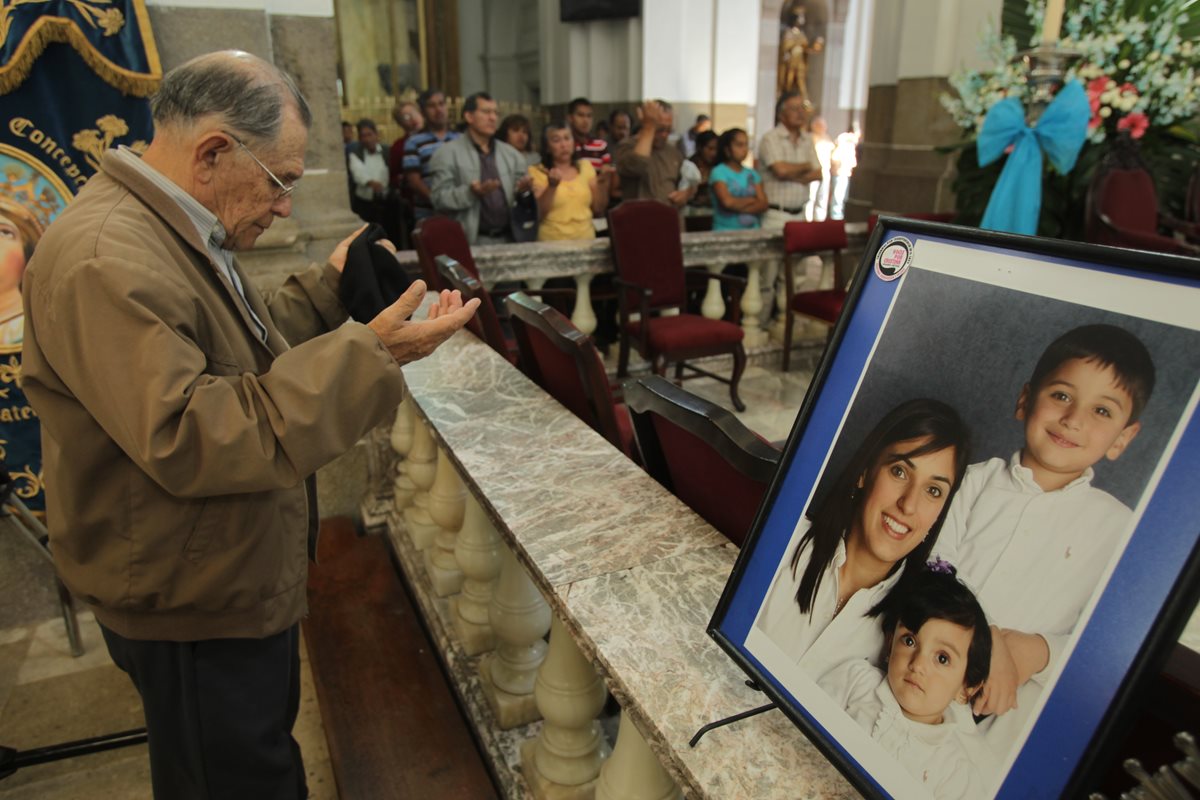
(938, 565)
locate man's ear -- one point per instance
(1022, 401)
(210, 146)
(1122, 441)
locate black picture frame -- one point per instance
(992, 302)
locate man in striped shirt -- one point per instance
(420, 147)
(788, 162)
(587, 147)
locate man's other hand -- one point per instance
(408, 340)
(337, 259)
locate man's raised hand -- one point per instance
(408, 340)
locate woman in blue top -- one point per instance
(737, 191)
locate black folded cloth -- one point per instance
(372, 278)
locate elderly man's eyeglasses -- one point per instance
(284, 189)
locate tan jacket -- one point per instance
(176, 444)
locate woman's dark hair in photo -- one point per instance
(702, 140)
(832, 519)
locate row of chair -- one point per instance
(697, 450)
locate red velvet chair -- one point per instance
(558, 357)
(802, 239)
(441, 236)
(701, 453)
(486, 323)
(1122, 211)
(648, 254)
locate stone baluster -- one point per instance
(583, 316)
(446, 505)
(633, 772)
(477, 551)
(713, 305)
(403, 489)
(565, 758)
(422, 468)
(752, 306)
(520, 618)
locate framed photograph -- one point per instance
(982, 534)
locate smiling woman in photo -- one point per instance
(882, 514)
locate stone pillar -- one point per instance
(403, 488)
(477, 551)
(520, 618)
(752, 306)
(422, 467)
(565, 758)
(446, 501)
(713, 304)
(916, 44)
(583, 316)
(634, 772)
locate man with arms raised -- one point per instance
(181, 428)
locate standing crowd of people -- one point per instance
(577, 168)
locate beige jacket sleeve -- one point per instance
(198, 425)
(307, 304)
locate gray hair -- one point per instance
(246, 91)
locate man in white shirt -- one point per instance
(369, 174)
(788, 162)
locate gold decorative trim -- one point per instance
(49, 29)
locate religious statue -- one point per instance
(794, 50)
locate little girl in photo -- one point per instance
(738, 197)
(939, 652)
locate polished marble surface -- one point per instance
(633, 572)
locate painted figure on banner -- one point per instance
(74, 78)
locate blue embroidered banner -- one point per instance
(74, 75)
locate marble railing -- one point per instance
(512, 519)
(536, 262)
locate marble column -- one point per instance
(422, 468)
(565, 758)
(477, 551)
(583, 316)
(752, 306)
(446, 507)
(520, 618)
(713, 304)
(634, 772)
(403, 488)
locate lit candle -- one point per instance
(1052, 21)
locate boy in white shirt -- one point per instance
(1031, 536)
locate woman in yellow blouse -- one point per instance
(569, 192)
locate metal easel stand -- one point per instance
(15, 515)
(720, 723)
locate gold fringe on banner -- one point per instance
(60, 29)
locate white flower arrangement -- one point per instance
(1137, 75)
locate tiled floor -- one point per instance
(48, 697)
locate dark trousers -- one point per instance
(219, 714)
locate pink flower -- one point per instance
(1136, 123)
(1129, 88)
(1095, 88)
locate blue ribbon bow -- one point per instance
(1016, 199)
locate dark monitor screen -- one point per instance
(584, 10)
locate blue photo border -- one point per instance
(1145, 603)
